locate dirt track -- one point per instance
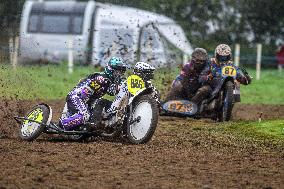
(179, 156)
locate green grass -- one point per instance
(39, 82)
(268, 90)
(265, 130)
(269, 133)
(54, 82)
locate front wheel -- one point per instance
(31, 130)
(145, 111)
(228, 102)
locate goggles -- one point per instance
(199, 61)
(223, 58)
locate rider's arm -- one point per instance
(113, 89)
(205, 75)
(186, 69)
(243, 77)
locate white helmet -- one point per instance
(223, 53)
(144, 70)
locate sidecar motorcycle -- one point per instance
(135, 121)
(218, 107)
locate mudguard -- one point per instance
(140, 92)
(50, 113)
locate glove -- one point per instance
(248, 78)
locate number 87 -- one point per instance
(227, 70)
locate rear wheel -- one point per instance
(31, 130)
(145, 112)
(228, 102)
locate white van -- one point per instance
(47, 27)
(106, 30)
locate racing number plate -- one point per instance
(36, 115)
(229, 71)
(180, 106)
(135, 84)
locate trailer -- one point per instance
(95, 32)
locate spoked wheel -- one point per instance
(228, 102)
(31, 130)
(144, 120)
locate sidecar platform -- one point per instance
(53, 128)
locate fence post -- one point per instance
(280, 68)
(237, 54)
(11, 49)
(15, 54)
(70, 56)
(258, 61)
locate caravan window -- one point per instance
(57, 18)
(33, 23)
(55, 24)
(116, 42)
(77, 24)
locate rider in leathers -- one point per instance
(191, 82)
(93, 87)
(223, 57)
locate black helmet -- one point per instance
(199, 58)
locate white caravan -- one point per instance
(97, 31)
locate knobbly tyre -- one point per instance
(135, 120)
(218, 106)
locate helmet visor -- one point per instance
(198, 61)
(221, 58)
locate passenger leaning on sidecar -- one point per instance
(93, 87)
(190, 84)
(223, 57)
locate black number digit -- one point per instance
(140, 84)
(232, 71)
(132, 83)
(227, 71)
(137, 83)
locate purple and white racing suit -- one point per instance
(93, 87)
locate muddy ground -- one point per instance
(179, 156)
